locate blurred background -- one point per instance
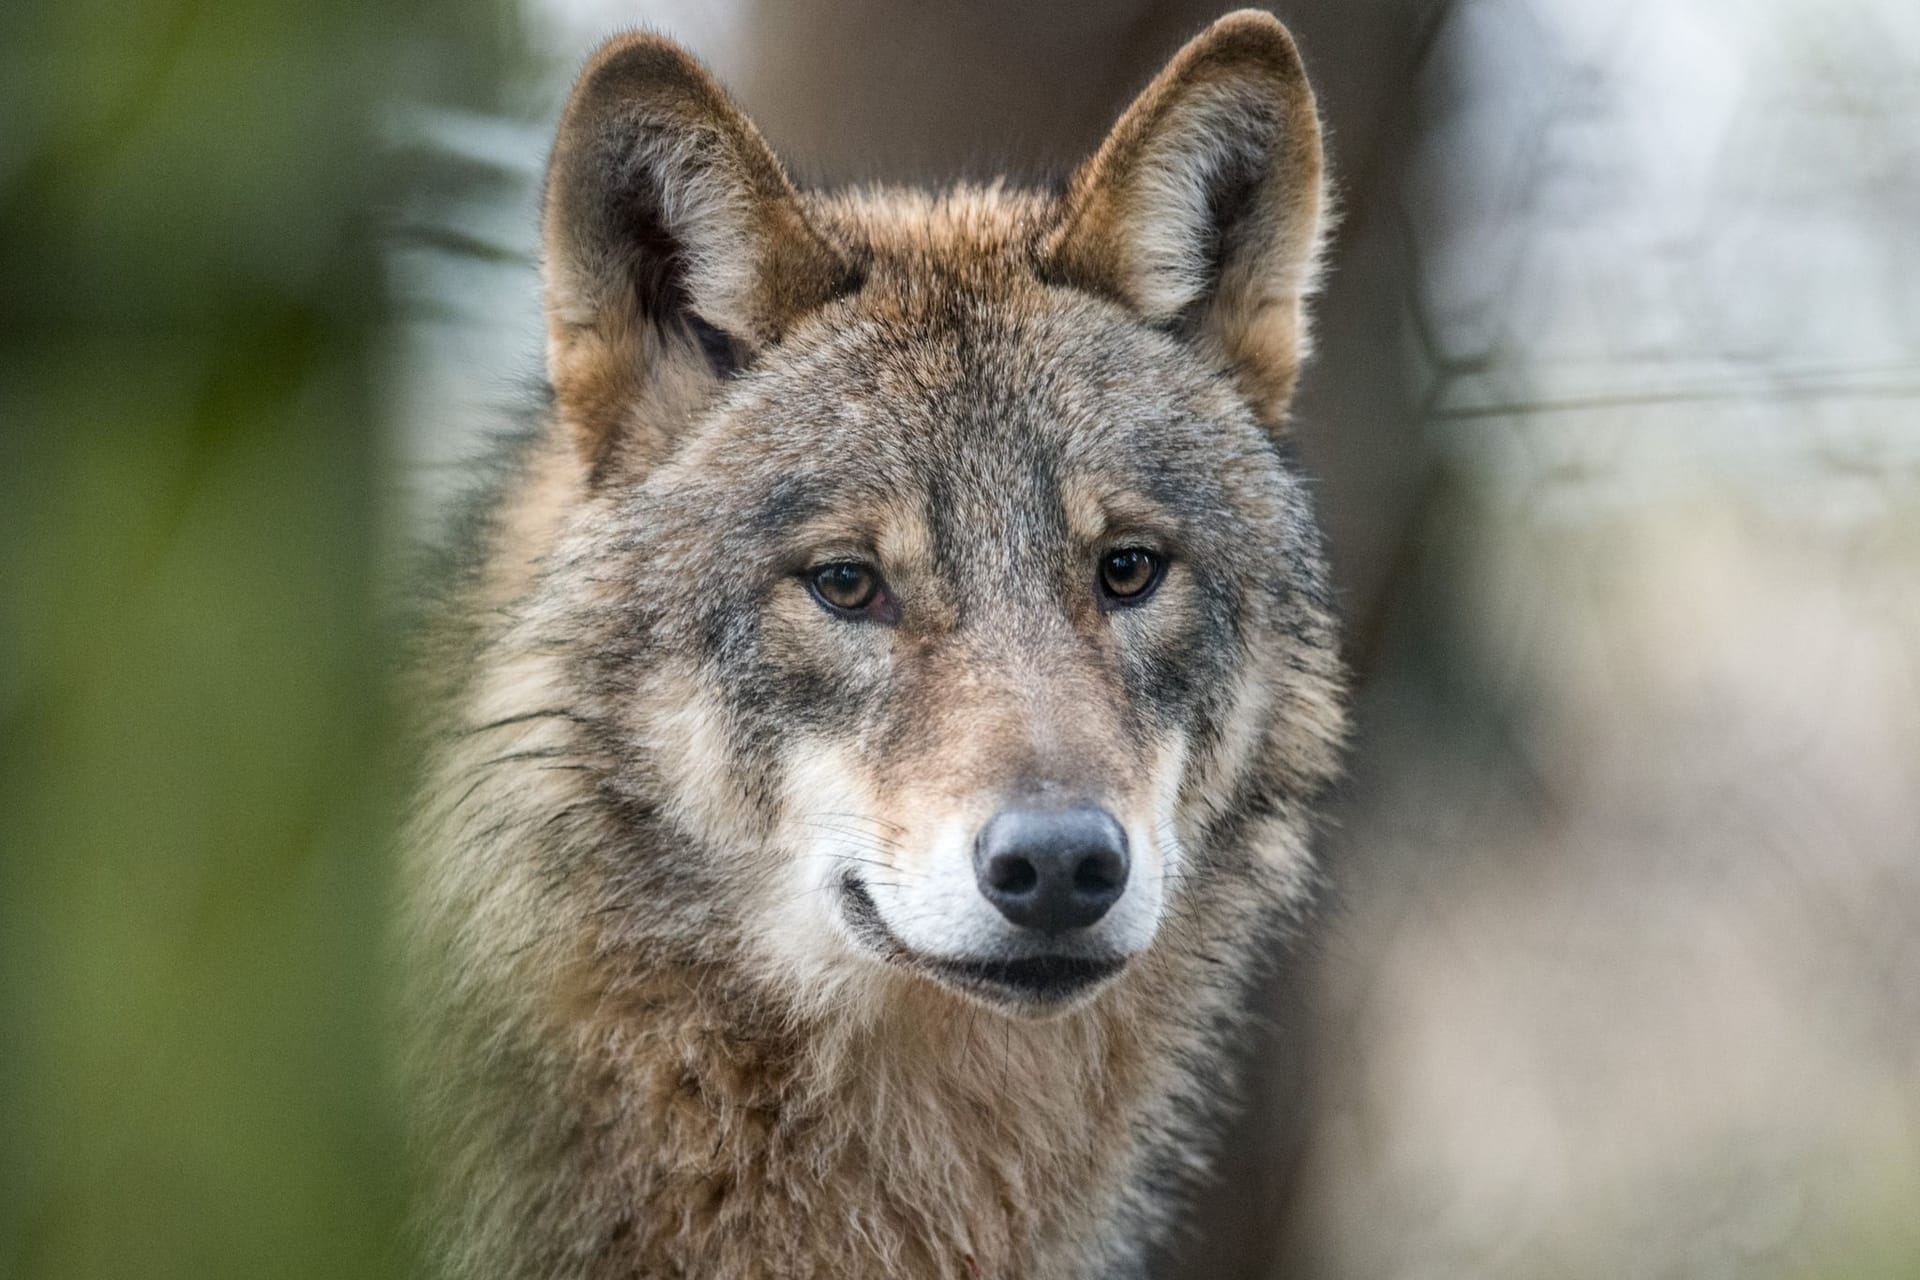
(1617, 419)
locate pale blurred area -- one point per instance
(1628, 980)
(1618, 413)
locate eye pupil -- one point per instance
(1129, 573)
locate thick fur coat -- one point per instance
(704, 985)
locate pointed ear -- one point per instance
(1203, 209)
(675, 248)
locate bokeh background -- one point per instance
(1617, 414)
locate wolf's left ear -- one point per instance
(1203, 209)
(675, 247)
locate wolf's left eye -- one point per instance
(849, 587)
(1129, 575)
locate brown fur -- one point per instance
(645, 1052)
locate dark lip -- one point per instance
(1032, 980)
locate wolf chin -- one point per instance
(877, 716)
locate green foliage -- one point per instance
(194, 747)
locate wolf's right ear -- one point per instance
(1202, 211)
(675, 248)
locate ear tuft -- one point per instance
(675, 247)
(1203, 209)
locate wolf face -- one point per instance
(957, 601)
(951, 595)
(952, 605)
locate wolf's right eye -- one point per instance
(1129, 575)
(849, 587)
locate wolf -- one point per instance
(876, 727)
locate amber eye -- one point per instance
(1129, 575)
(845, 586)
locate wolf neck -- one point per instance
(933, 1138)
(957, 1140)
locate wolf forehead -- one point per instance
(954, 386)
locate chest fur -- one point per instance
(936, 1143)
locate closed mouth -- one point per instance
(1043, 981)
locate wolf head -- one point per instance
(950, 610)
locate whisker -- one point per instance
(855, 837)
(535, 753)
(523, 717)
(852, 832)
(868, 862)
(862, 844)
(862, 817)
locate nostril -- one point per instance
(1100, 872)
(1010, 873)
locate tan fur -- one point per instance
(618, 1079)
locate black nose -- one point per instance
(1051, 869)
